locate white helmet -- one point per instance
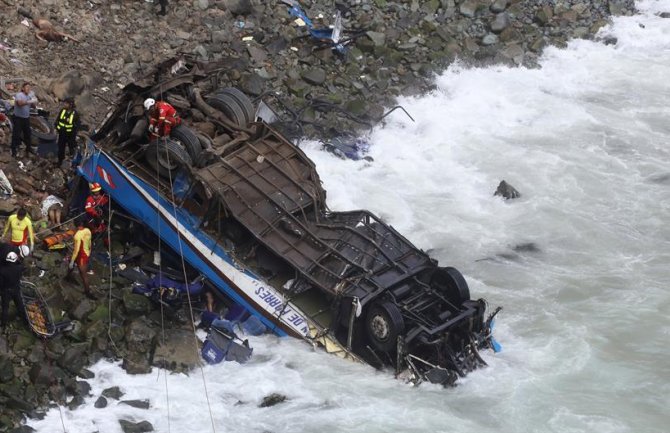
(148, 103)
(12, 257)
(24, 251)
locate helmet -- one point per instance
(95, 187)
(24, 251)
(148, 103)
(12, 257)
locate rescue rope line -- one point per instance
(160, 291)
(111, 274)
(188, 294)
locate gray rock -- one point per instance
(113, 392)
(314, 76)
(664, 15)
(544, 15)
(500, 23)
(254, 84)
(220, 37)
(617, 7)
(258, 54)
(6, 369)
(139, 404)
(489, 39)
(176, 351)
(469, 8)
(499, 6)
(378, 38)
(132, 427)
(507, 191)
(100, 403)
(272, 399)
(238, 7)
(83, 309)
(135, 304)
(74, 358)
(76, 401)
(201, 4)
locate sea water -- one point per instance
(579, 262)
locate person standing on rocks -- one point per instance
(21, 229)
(11, 271)
(163, 4)
(67, 124)
(81, 254)
(23, 100)
(162, 118)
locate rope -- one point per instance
(160, 272)
(188, 294)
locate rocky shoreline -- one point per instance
(399, 47)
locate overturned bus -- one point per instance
(245, 207)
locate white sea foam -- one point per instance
(585, 326)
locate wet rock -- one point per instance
(528, 247)
(314, 76)
(100, 403)
(272, 399)
(507, 191)
(177, 352)
(132, 427)
(23, 429)
(664, 15)
(136, 365)
(139, 404)
(113, 392)
(74, 358)
(135, 304)
(6, 369)
(86, 374)
(44, 374)
(76, 401)
(83, 309)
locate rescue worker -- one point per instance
(96, 208)
(11, 271)
(21, 118)
(21, 229)
(81, 254)
(67, 124)
(162, 118)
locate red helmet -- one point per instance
(95, 187)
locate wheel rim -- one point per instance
(165, 161)
(380, 327)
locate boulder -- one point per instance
(100, 403)
(139, 404)
(314, 76)
(500, 23)
(6, 369)
(499, 6)
(507, 191)
(238, 7)
(272, 399)
(133, 427)
(113, 392)
(177, 351)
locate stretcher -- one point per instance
(38, 314)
